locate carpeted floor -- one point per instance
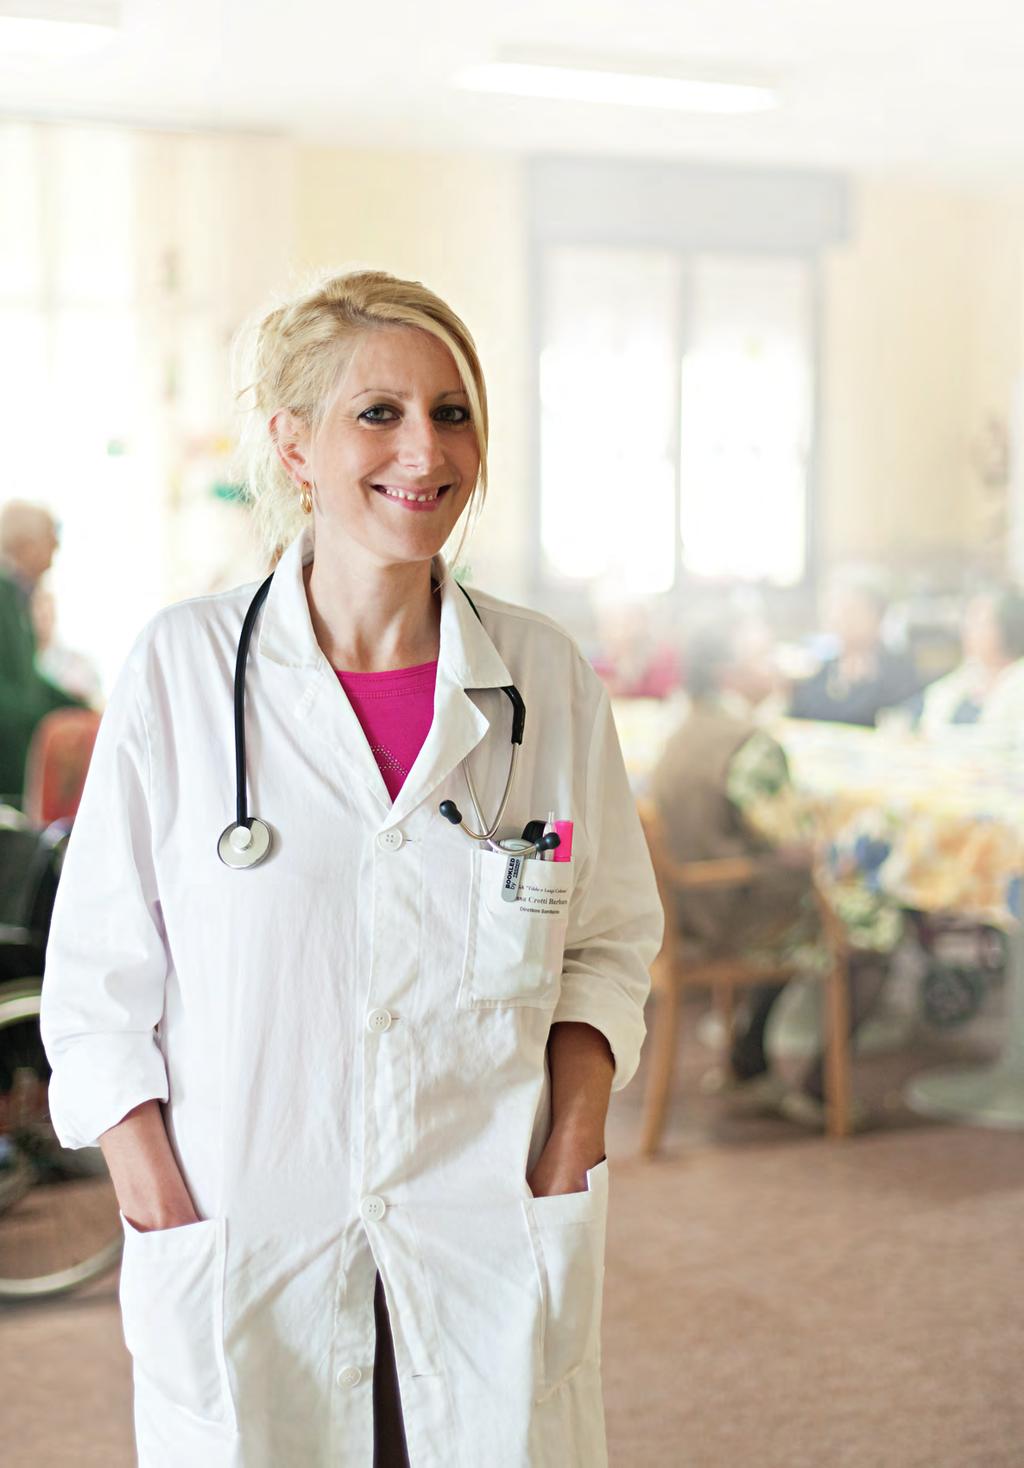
(777, 1300)
(772, 1300)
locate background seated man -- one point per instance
(865, 676)
(28, 543)
(723, 789)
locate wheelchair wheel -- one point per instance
(951, 996)
(59, 1223)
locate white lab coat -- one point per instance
(350, 1040)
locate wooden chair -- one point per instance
(675, 970)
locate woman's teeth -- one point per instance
(401, 494)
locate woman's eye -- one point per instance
(451, 414)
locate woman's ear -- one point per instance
(291, 436)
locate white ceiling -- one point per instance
(928, 85)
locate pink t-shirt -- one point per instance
(395, 710)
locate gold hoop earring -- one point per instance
(306, 499)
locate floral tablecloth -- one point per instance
(933, 826)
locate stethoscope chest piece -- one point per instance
(244, 845)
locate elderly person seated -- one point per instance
(987, 688)
(723, 789)
(865, 675)
(28, 543)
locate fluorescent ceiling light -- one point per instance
(55, 29)
(618, 88)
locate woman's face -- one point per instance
(981, 638)
(396, 458)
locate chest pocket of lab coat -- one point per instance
(514, 950)
(172, 1295)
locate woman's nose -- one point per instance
(420, 444)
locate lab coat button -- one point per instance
(350, 1376)
(390, 840)
(373, 1208)
(378, 1019)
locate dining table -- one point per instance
(935, 826)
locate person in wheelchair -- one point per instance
(59, 1225)
(723, 789)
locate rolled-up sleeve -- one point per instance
(615, 915)
(106, 960)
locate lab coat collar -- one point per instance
(286, 631)
(468, 656)
(467, 659)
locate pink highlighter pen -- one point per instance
(563, 851)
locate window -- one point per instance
(745, 420)
(607, 384)
(676, 396)
(127, 260)
(69, 372)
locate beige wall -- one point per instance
(996, 346)
(455, 221)
(921, 325)
(921, 346)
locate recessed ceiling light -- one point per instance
(54, 29)
(621, 88)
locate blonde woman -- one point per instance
(350, 1077)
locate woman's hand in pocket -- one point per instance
(582, 1068)
(159, 1218)
(151, 1191)
(563, 1165)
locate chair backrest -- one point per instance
(58, 761)
(689, 876)
(730, 871)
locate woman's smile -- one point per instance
(413, 499)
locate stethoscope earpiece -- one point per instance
(514, 846)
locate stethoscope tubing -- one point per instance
(245, 637)
(235, 840)
(489, 833)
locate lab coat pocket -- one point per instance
(172, 1298)
(515, 948)
(567, 1232)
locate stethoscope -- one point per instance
(248, 840)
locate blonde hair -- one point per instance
(296, 354)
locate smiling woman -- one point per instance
(352, 1093)
(311, 365)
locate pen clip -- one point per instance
(512, 877)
